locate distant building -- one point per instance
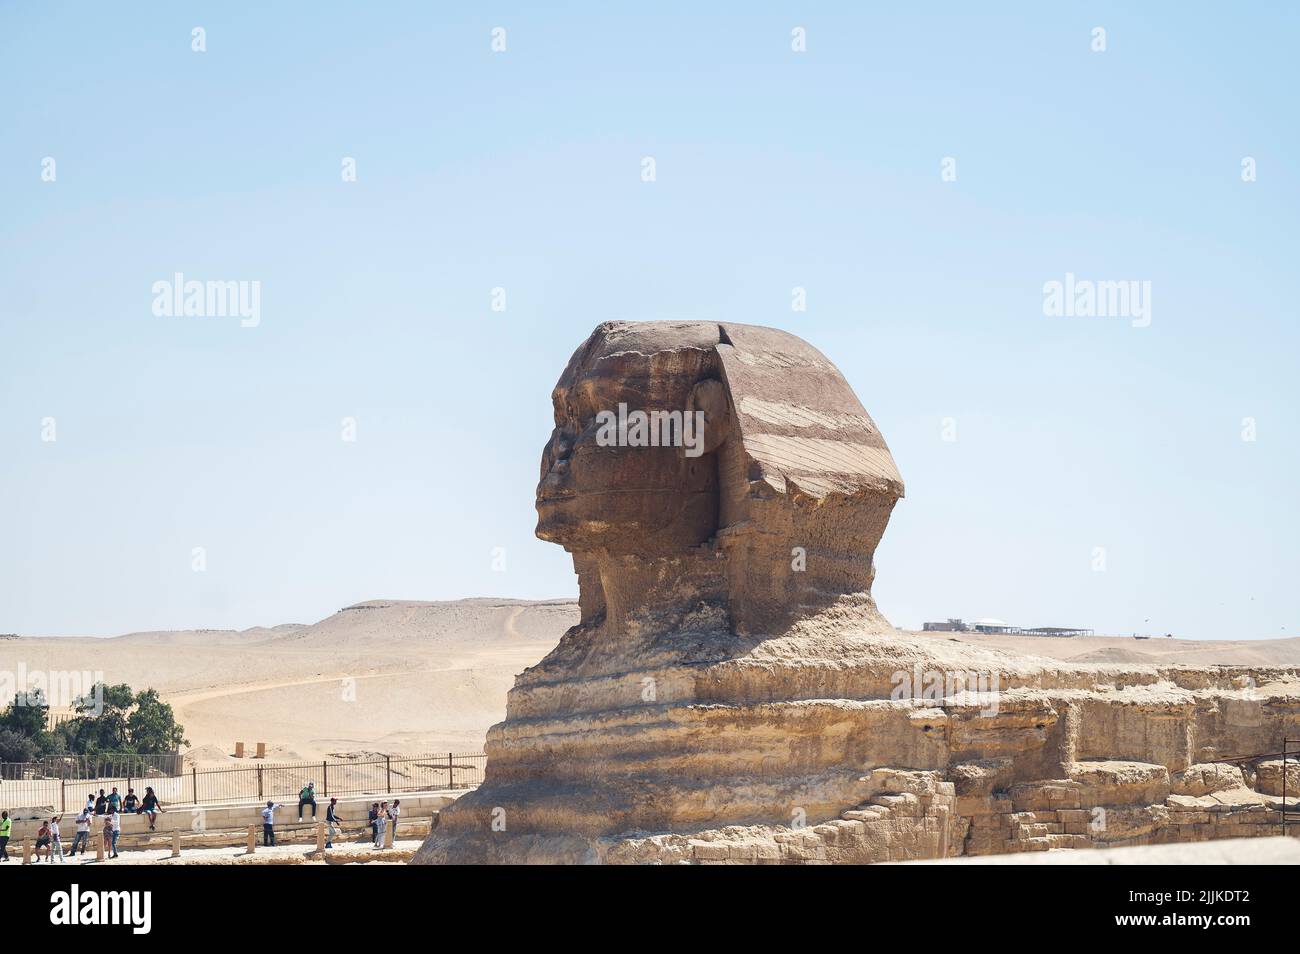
(990, 626)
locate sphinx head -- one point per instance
(733, 444)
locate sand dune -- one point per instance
(406, 677)
(399, 677)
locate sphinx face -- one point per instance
(606, 488)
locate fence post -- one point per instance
(450, 780)
(259, 780)
(388, 769)
(325, 777)
(194, 782)
(63, 795)
(176, 843)
(252, 839)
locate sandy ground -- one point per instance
(401, 677)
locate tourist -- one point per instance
(307, 797)
(101, 803)
(150, 806)
(56, 841)
(6, 829)
(374, 822)
(115, 825)
(114, 800)
(131, 802)
(106, 833)
(268, 823)
(333, 821)
(82, 841)
(43, 840)
(381, 824)
(394, 813)
(90, 804)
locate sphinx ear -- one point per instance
(710, 398)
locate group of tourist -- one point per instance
(381, 815)
(306, 796)
(103, 813)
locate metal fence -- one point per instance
(38, 784)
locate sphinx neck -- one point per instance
(648, 595)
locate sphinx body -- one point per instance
(733, 693)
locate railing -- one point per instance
(32, 784)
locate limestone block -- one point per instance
(1205, 778)
(1268, 777)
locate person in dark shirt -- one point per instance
(131, 802)
(101, 803)
(150, 806)
(332, 819)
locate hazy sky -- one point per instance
(523, 170)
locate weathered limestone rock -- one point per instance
(733, 695)
(1269, 775)
(1204, 779)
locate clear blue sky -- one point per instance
(522, 170)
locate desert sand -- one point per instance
(429, 676)
(385, 676)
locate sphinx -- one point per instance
(732, 691)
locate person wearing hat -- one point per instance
(332, 819)
(268, 824)
(307, 797)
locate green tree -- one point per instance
(152, 726)
(113, 719)
(16, 747)
(27, 715)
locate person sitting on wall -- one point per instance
(307, 797)
(43, 841)
(150, 806)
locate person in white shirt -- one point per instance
(268, 823)
(115, 820)
(56, 843)
(394, 813)
(82, 840)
